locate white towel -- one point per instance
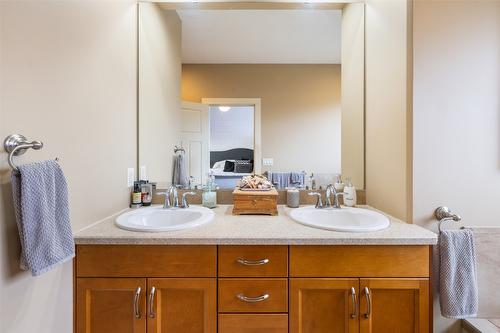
(42, 213)
(458, 291)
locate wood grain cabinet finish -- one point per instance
(205, 289)
(397, 305)
(324, 305)
(253, 261)
(146, 260)
(253, 323)
(232, 292)
(359, 261)
(182, 305)
(110, 305)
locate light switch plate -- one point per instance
(130, 177)
(268, 161)
(143, 173)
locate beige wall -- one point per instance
(300, 108)
(353, 91)
(457, 121)
(387, 127)
(67, 77)
(159, 89)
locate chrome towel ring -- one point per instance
(444, 214)
(17, 144)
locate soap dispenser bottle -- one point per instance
(349, 194)
(209, 196)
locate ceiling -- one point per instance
(261, 36)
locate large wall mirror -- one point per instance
(265, 88)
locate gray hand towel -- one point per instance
(179, 172)
(42, 213)
(458, 291)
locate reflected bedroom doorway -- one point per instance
(234, 144)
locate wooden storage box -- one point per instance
(255, 202)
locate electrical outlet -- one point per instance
(143, 173)
(130, 177)
(268, 161)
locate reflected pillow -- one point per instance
(229, 166)
(243, 166)
(219, 166)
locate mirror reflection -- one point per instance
(274, 92)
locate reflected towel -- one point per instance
(42, 214)
(457, 274)
(179, 172)
(280, 180)
(297, 179)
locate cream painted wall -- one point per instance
(159, 89)
(300, 108)
(388, 140)
(67, 77)
(456, 117)
(353, 90)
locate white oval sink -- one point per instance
(345, 219)
(156, 219)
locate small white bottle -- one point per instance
(349, 194)
(339, 185)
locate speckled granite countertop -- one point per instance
(256, 230)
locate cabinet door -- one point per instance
(182, 305)
(394, 305)
(324, 305)
(110, 305)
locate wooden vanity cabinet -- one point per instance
(114, 289)
(252, 289)
(366, 289)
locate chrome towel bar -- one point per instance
(17, 144)
(444, 214)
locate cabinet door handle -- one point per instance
(137, 296)
(253, 262)
(151, 302)
(354, 313)
(368, 303)
(244, 298)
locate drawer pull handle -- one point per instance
(137, 296)
(368, 303)
(354, 313)
(152, 313)
(244, 298)
(253, 262)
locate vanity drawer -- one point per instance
(359, 261)
(253, 295)
(253, 261)
(253, 323)
(146, 261)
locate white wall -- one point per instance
(231, 129)
(159, 89)
(67, 77)
(388, 145)
(456, 115)
(353, 91)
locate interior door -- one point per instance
(185, 305)
(394, 305)
(195, 138)
(324, 305)
(111, 305)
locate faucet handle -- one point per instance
(185, 203)
(319, 202)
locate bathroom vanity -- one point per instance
(253, 274)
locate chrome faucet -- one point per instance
(185, 203)
(171, 197)
(330, 190)
(319, 202)
(336, 195)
